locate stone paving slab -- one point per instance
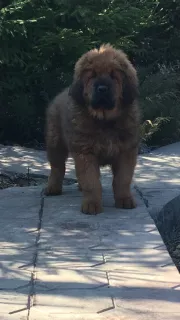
(144, 260)
(14, 279)
(20, 203)
(13, 306)
(121, 314)
(17, 233)
(133, 240)
(80, 237)
(73, 301)
(158, 171)
(71, 279)
(143, 295)
(95, 224)
(99, 238)
(19, 220)
(16, 267)
(157, 176)
(54, 260)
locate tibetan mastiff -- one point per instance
(96, 120)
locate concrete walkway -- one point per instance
(57, 263)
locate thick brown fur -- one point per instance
(96, 136)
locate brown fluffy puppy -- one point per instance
(97, 121)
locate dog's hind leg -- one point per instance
(57, 159)
(57, 153)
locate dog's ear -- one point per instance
(76, 92)
(130, 90)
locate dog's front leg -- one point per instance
(123, 170)
(88, 175)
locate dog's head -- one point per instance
(105, 82)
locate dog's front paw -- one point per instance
(125, 202)
(52, 190)
(91, 207)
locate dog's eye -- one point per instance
(90, 74)
(114, 75)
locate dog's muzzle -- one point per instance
(102, 97)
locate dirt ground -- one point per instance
(13, 179)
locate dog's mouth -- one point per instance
(103, 114)
(102, 108)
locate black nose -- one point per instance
(102, 88)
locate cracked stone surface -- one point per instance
(57, 263)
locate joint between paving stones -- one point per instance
(107, 276)
(142, 196)
(31, 296)
(108, 309)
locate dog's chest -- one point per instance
(104, 142)
(107, 143)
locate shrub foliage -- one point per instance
(42, 39)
